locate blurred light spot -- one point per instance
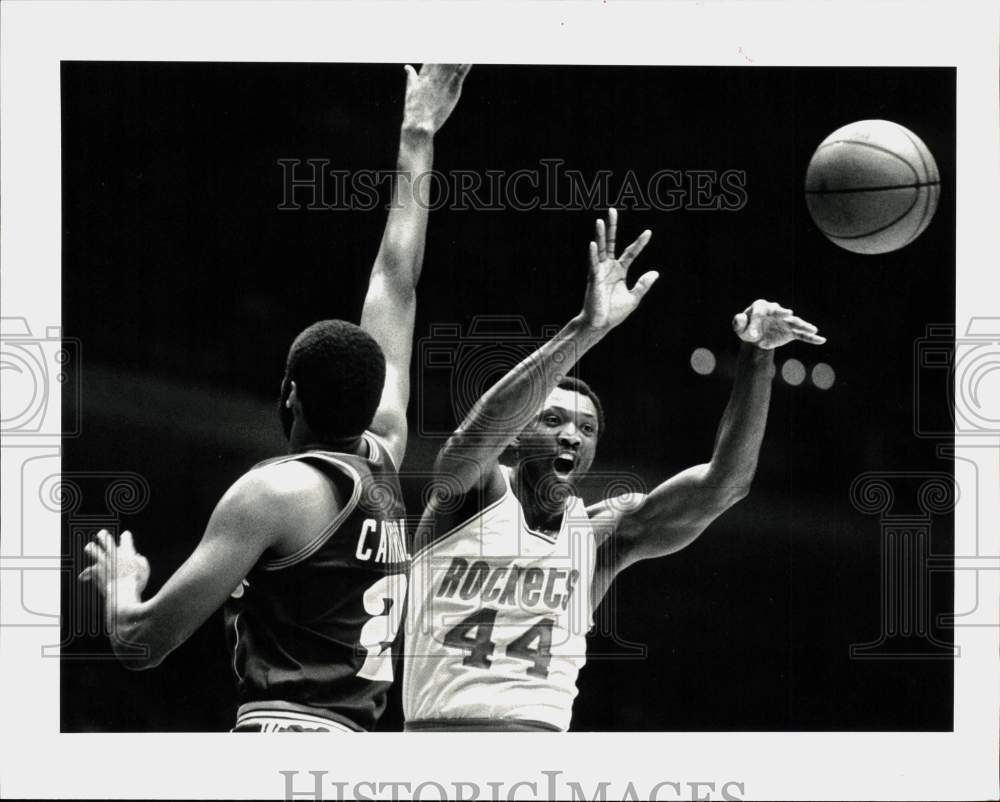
(823, 376)
(793, 372)
(702, 361)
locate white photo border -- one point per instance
(39, 761)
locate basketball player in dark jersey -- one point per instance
(504, 581)
(308, 551)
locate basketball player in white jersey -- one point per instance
(509, 564)
(313, 542)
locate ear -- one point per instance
(293, 397)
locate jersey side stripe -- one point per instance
(236, 646)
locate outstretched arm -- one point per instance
(508, 406)
(677, 511)
(390, 305)
(249, 519)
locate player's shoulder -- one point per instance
(282, 477)
(451, 506)
(277, 488)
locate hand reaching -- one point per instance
(115, 567)
(768, 325)
(431, 94)
(609, 300)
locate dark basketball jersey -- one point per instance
(316, 628)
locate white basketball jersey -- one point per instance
(497, 618)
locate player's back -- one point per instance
(497, 619)
(311, 631)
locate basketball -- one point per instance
(872, 186)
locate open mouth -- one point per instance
(563, 464)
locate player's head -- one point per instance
(558, 447)
(337, 370)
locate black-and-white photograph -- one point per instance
(481, 396)
(404, 365)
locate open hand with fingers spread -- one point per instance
(609, 300)
(769, 325)
(115, 567)
(431, 95)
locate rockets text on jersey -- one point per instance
(497, 619)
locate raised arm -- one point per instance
(471, 453)
(390, 305)
(677, 511)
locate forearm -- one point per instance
(510, 404)
(391, 301)
(675, 512)
(129, 624)
(678, 510)
(741, 430)
(401, 251)
(430, 98)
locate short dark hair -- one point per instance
(339, 372)
(580, 386)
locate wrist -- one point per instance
(581, 326)
(759, 358)
(415, 132)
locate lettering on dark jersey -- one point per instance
(510, 585)
(382, 541)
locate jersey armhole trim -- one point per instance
(376, 442)
(317, 542)
(550, 539)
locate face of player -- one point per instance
(561, 444)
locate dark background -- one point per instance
(186, 284)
